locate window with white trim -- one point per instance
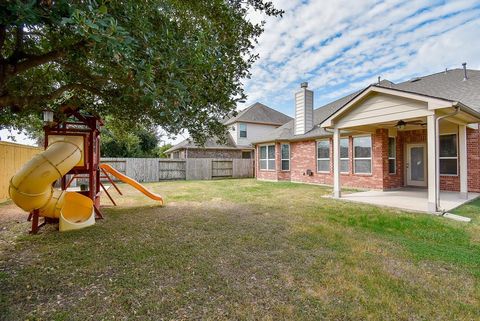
(267, 157)
(285, 155)
(323, 156)
(344, 159)
(243, 130)
(362, 155)
(448, 154)
(392, 155)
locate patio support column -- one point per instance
(462, 160)
(336, 163)
(432, 161)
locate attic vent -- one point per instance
(416, 79)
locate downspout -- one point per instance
(437, 155)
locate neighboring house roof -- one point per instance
(285, 132)
(210, 143)
(444, 85)
(257, 113)
(260, 114)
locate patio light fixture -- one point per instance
(47, 116)
(401, 124)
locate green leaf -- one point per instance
(103, 9)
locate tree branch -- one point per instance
(3, 34)
(85, 73)
(19, 39)
(32, 61)
(22, 101)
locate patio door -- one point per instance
(416, 165)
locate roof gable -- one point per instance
(446, 86)
(210, 143)
(261, 114)
(431, 103)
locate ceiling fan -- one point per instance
(401, 124)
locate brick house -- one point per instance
(250, 124)
(423, 133)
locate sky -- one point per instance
(344, 45)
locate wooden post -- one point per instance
(432, 159)
(336, 163)
(111, 181)
(463, 160)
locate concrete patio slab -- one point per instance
(412, 199)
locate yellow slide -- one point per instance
(130, 181)
(31, 188)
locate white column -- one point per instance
(462, 160)
(336, 163)
(432, 158)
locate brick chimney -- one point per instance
(303, 110)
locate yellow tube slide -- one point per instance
(130, 181)
(31, 187)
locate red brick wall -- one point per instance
(278, 174)
(447, 183)
(214, 153)
(264, 174)
(473, 152)
(397, 179)
(303, 158)
(281, 175)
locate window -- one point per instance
(243, 130)
(267, 157)
(392, 155)
(285, 157)
(362, 155)
(344, 161)
(246, 155)
(323, 156)
(448, 154)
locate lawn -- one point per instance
(243, 249)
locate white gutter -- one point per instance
(437, 156)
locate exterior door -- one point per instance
(416, 165)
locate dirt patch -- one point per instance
(10, 213)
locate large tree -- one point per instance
(141, 142)
(178, 64)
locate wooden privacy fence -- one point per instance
(12, 158)
(161, 169)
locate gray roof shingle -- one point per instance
(445, 85)
(210, 143)
(256, 113)
(285, 132)
(259, 113)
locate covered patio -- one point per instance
(417, 126)
(409, 198)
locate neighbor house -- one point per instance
(250, 124)
(422, 133)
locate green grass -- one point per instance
(243, 249)
(471, 209)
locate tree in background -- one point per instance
(162, 149)
(143, 142)
(178, 64)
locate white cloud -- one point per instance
(340, 46)
(16, 137)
